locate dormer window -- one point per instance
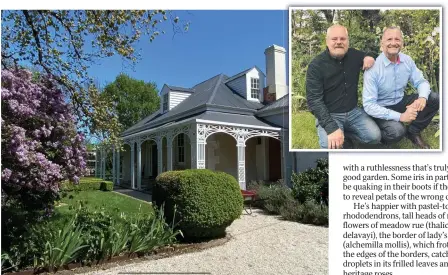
(254, 88)
(165, 102)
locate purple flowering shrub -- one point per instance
(40, 143)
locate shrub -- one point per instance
(206, 201)
(278, 199)
(273, 197)
(149, 232)
(94, 225)
(312, 184)
(40, 143)
(87, 184)
(62, 247)
(308, 212)
(40, 147)
(106, 186)
(255, 185)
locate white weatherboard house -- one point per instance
(237, 124)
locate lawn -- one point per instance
(112, 202)
(304, 135)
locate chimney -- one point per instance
(276, 71)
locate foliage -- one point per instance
(312, 184)
(106, 186)
(437, 119)
(309, 212)
(40, 147)
(64, 43)
(421, 33)
(150, 232)
(278, 199)
(39, 140)
(133, 99)
(88, 183)
(94, 225)
(420, 28)
(88, 236)
(62, 247)
(6, 262)
(107, 236)
(206, 201)
(273, 197)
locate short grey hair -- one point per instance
(392, 28)
(334, 26)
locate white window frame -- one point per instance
(254, 86)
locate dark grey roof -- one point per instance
(243, 73)
(242, 120)
(249, 120)
(210, 95)
(142, 122)
(281, 103)
(180, 89)
(224, 96)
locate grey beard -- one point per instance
(338, 57)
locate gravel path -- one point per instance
(260, 244)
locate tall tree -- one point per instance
(133, 99)
(63, 43)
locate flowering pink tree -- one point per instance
(40, 144)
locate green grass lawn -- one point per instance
(304, 135)
(111, 202)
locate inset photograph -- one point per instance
(365, 79)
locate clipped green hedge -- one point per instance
(88, 183)
(206, 202)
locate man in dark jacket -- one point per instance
(332, 93)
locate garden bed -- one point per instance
(160, 253)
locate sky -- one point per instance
(218, 41)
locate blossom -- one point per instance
(40, 144)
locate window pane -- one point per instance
(255, 87)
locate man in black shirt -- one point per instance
(332, 93)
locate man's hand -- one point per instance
(409, 115)
(419, 104)
(368, 62)
(336, 139)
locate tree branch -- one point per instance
(55, 15)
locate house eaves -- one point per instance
(180, 89)
(193, 111)
(204, 108)
(272, 112)
(198, 119)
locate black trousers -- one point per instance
(393, 131)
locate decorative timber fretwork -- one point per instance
(240, 134)
(198, 134)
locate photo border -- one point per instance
(430, 7)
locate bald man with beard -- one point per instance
(332, 93)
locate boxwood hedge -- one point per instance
(206, 202)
